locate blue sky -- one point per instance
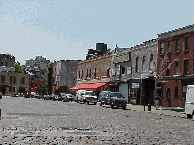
(63, 29)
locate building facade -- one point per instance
(40, 62)
(64, 75)
(12, 83)
(94, 72)
(175, 67)
(134, 70)
(7, 60)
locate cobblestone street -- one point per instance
(30, 120)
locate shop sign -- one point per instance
(135, 85)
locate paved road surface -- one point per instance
(30, 120)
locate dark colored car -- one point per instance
(0, 95)
(103, 94)
(114, 99)
(70, 97)
(55, 97)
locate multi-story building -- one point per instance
(94, 71)
(134, 70)
(11, 82)
(7, 60)
(40, 62)
(175, 67)
(64, 75)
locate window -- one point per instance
(14, 80)
(168, 69)
(13, 89)
(87, 73)
(136, 67)
(82, 74)
(79, 74)
(11, 80)
(108, 72)
(143, 63)
(123, 70)
(177, 45)
(90, 73)
(161, 48)
(95, 72)
(169, 47)
(176, 91)
(3, 79)
(10, 89)
(22, 80)
(186, 63)
(151, 63)
(186, 43)
(177, 68)
(168, 90)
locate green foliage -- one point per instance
(18, 67)
(49, 76)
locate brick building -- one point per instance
(11, 82)
(134, 70)
(175, 67)
(64, 75)
(95, 70)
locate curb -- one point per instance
(160, 114)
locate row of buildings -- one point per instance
(33, 79)
(162, 66)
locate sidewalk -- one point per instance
(166, 111)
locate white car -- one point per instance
(90, 97)
(79, 95)
(70, 97)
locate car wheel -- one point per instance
(189, 116)
(84, 101)
(87, 102)
(124, 107)
(112, 106)
(95, 103)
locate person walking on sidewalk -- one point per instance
(156, 100)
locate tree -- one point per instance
(49, 76)
(18, 67)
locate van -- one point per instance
(79, 95)
(189, 104)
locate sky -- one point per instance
(63, 29)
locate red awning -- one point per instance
(90, 87)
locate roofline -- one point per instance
(178, 29)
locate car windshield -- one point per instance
(118, 95)
(69, 95)
(89, 93)
(104, 94)
(63, 94)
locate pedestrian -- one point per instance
(156, 100)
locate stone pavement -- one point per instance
(166, 111)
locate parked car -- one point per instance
(55, 97)
(103, 94)
(70, 97)
(45, 97)
(90, 97)
(79, 96)
(62, 95)
(114, 99)
(49, 97)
